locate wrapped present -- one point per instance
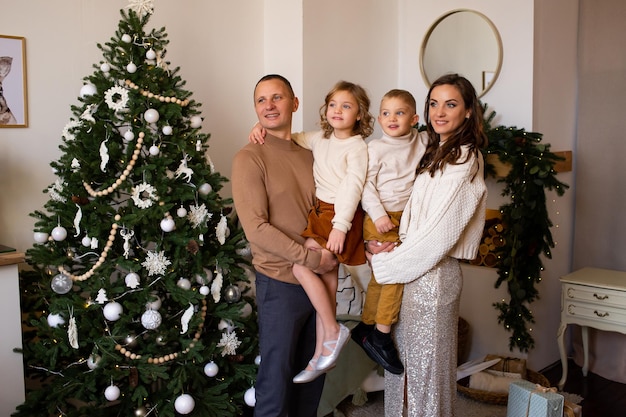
(533, 400)
(493, 381)
(572, 410)
(512, 365)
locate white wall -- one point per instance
(223, 48)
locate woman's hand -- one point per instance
(257, 134)
(373, 247)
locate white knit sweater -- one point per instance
(444, 216)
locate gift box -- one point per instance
(533, 400)
(511, 365)
(572, 410)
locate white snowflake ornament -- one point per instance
(156, 263)
(141, 7)
(229, 343)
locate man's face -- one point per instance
(274, 105)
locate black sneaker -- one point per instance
(381, 348)
(360, 332)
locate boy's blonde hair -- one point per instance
(402, 95)
(365, 125)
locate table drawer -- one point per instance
(609, 316)
(595, 295)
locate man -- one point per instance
(273, 190)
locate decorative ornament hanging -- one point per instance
(141, 7)
(132, 280)
(198, 145)
(59, 233)
(93, 361)
(138, 196)
(126, 38)
(183, 169)
(257, 360)
(250, 397)
(72, 332)
(68, 130)
(181, 212)
(61, 284)
(198, 215)
(77, 218)
(40, 237)
(211, 369)
(184, 404)
(221, 230)
(186, 318)
(55, 320)
(102, 298)
(183, 283)
(211, 164)
(229, 343)
(151, 319)
(131, 68)
(116, 97)
(56, 190)
(216, 287)
(127, 235)
(112, 393)
(246, 310)
(88, 90)
(130, 340)
(129, 136)
(156, 263)
(94, 243)
(232, 294)
(195, 122)
(88, 113)
(150, 54)
(75, 165)
(151, 116)
(154, 150)
(226, 325)
(167, 130)
(104, 155)
(105, 67)
(112, 311)
(205, 189)
(167, 224)
(154, 303)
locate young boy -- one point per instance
(392, 164)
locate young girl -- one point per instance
(336, 220)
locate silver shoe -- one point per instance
(324, 362)
(307, 376)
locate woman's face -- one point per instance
(447, 110)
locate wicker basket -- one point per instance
(497, 398)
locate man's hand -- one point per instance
(328, 262)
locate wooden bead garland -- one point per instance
(125, 173)
(171, 356)
(161, 98)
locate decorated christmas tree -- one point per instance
(137, 292)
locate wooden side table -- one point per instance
(591, 297)
(12, 376)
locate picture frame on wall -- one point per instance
(13, 97)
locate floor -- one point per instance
(602, 397)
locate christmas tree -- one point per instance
(137, 292)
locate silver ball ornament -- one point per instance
(59, 233)
(151, 319)
(61, 284)
(205, 189)
(167, 130)
(232, 294)
(184, 283)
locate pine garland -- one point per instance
(527, 225)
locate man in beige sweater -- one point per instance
(273, 189)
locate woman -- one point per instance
(442, 222)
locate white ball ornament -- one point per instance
(129, 135)
(226, 324)
(126, 38)
(181, 212)
(257, 360)
(88, 90)
(150, 54)
(61, 284)
(40, 237)
(246, 310)
(105, 67)
(195, 121)
(168, 225)
(93, 361)
(184, 283)
(211, 369)
(55, 320)
(86, 242)
(59, 233)
(205, 290)
(151, 319)
(167, 130)
(184, 404)
(154, 150)
(112, 393)
(131, 68)
(151, 116)
(205, 189)
(250, 397)
(112, 311)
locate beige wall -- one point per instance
(224, 47)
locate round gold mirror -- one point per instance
(464, 42)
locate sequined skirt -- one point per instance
(426, 335)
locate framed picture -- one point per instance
(13, 98)
(487, 78)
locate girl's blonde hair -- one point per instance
(365, 123)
